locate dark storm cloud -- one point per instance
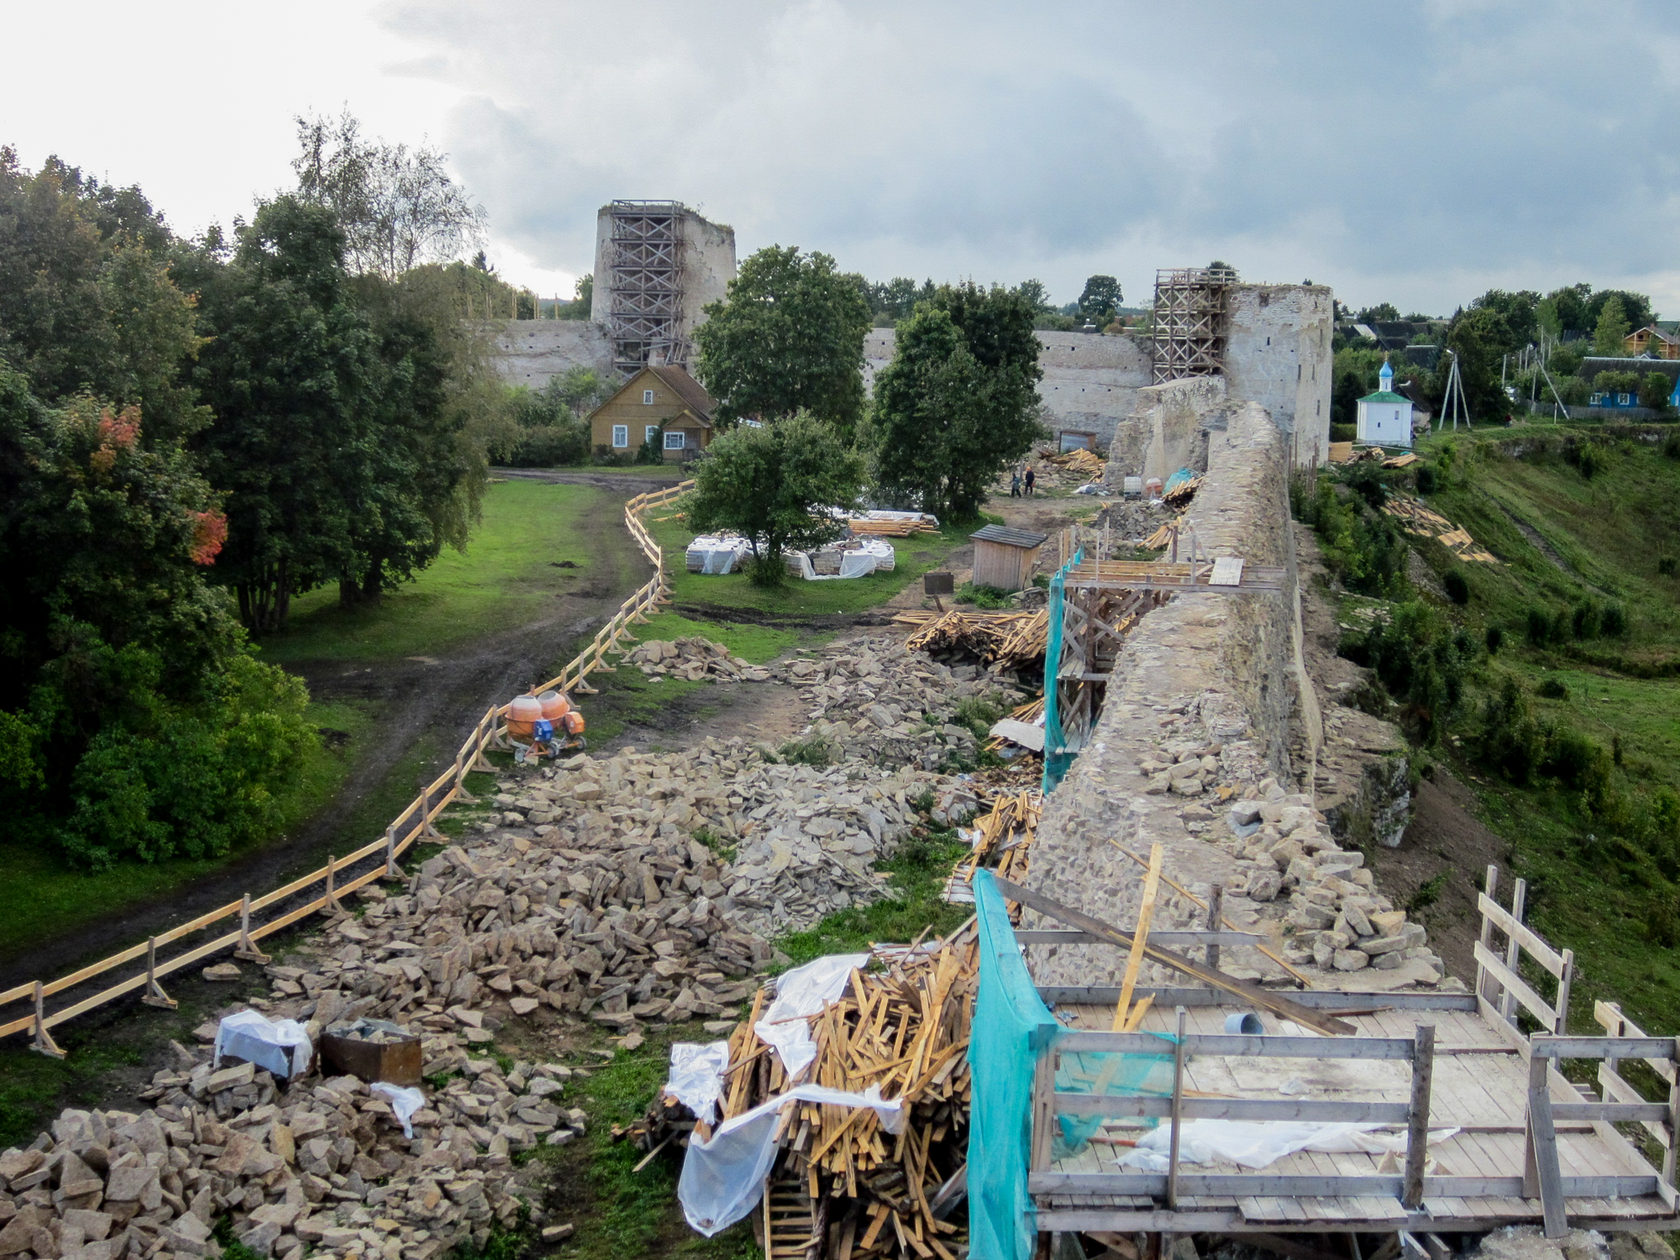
(1413, 146)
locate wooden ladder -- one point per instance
(789, 1223)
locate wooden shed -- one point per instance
(1005, 558)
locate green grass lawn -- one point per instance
(506, 575)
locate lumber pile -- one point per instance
(904, 1029)
(1087, 465)
(1415, 518)
(902, 526)
(1164, 536)
(1012, 639)
(1006, 836)
(1182, 493)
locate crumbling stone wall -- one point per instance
(1277, 353)
(1169, 430)
(1218, 675)
(532, 352)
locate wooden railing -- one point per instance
(335, 879)
(1500, 988)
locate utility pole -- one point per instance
(1452, 401)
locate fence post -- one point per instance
(1519, 905)
(391, 871)
(247, 948)
(154, 994)
(1215, 921)
(486, 736)
(331, 906)
(426, 828)
(44, 1044)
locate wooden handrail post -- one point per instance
(1215, 916)
(1417, 1121)
(43, 1044)
(391, 871)
(1490, 885)
(247, 948)
(1668, 1168)
(1519, 903)
(154, 994)
(1542, 1174)
(1177, 1114)
(331, 906)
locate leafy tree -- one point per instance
(1382, 313)
(957, 402)
(1036, 296)
(1636, 309)
(1610, 333)
(583, 298)
(772, 484)
(1478, 337)
(788, 337)
(1654, 391)
(1100, 300)
(1565, 310)
(1517, 310)
(86, 299)
(397, 206)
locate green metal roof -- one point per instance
(1385, 395)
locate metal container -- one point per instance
(347, 1050)
(1133, 487)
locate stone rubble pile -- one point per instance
(1286, 858)
(321, 1166)
(893, 703)
(694, 658)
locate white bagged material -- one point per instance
(696, 1079)
(801, 992)
(404, 1102)
(723, 1177)
(282, 1047)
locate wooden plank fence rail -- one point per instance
(414, 823)
(1500, 987)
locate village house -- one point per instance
(1659, 343)
(659, 404)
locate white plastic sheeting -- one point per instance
(719, 553)
(802, 992)
(282, 1047)
(723, 1177)
(405, 1101)
(696, 1079)
(1257, 1143)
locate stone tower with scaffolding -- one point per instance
(1189, 319)
(657, 265)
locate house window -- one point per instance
(651, 433)
(675, 440)
(621, 436)
(647, 398)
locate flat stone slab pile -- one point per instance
(694, 658)
(320, 1167)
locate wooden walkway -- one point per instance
(1481, 1127)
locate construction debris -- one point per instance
(1177, 496)
(693, 658)
(1415, 518)
(1011, 640)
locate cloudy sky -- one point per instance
(1418, 153)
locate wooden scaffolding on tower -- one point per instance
(1189, 318)
(645, 284)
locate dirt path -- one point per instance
(436, 698)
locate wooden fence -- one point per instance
(336, 879)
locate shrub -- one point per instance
(768, 572)
(1586, 619)
(1580, 762)
(1667, 567)
(807, 752)
(1554, 689)
(983, 596)
(1510, 740)
(1457, 586)
(1494, 638)
(1362, 548)
(1421, 660)
(1343, 432)
(1614, 624)
(1426, 480)
(1538, 624)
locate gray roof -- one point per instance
(1009, 537)
(1592, 365)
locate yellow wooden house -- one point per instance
(661, 404)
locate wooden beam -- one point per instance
(1140, 938)
(1276, 1003)
(1542, 1176)
(1417, 1124)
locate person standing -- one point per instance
(1032, 478)
(1015, 484)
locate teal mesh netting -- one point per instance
(1056, 757)
(1011, 1028)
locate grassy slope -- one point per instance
(501, 579)
(1605, 537)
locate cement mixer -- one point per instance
(544, 726)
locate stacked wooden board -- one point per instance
(1014, 639)
(1414, 518)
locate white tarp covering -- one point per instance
(719, 553)
(801, 992)
(723, 1177)
(405, 1101)
(282, 1047)
(1257, 1143)
(696, 1079)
